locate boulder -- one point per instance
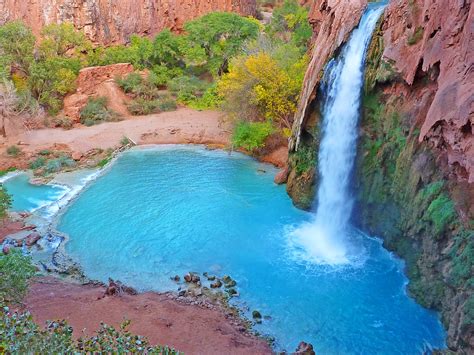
(304, 349)
(32, 239)
(282, 176)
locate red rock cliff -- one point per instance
(420, 36)
(107, 22)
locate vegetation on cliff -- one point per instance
(406, 198)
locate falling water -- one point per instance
(323, 240)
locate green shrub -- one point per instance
(58, 164)
(304, 159)
(21, 335)
(469, 311)
(5, 202)
(441, 211)
(160, 75)
(13, 151)
(211, 99)
(416, 36)
(96, 112)
(124, 141)
(130, 83)
(15, 272)
(251, 135)
(187, 88)
(462, 255)
(141, 106)
(167, 103)
(38, 163)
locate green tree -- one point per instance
(17, 44)
(290, 23)
(216, 37)
(167, 50)
(63, 40)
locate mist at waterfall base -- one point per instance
(170, 210)
(328, 238)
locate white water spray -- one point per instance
(323, 240)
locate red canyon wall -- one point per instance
(108, 21)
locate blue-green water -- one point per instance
(28, 197)
(167, 211)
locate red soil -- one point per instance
(162, 320)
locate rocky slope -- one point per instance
(414, 175)
(107, 22)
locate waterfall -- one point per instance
(324, 240)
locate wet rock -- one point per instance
(232, 292)
(211, 278)
(175, 278)
(32, 239)
(216, 284)
(226, 279)
(192, 277)
(182, 293)
(6, 249)
(304, 349)
(231, 283)
(117, 288)
(257, 316)
(282, 176)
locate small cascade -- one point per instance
(324, 239)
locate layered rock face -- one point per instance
(414, 173)
(107, 22)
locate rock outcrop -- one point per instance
(108, 22)
(414, 175)
(98, 81)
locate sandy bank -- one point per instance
(162, 319)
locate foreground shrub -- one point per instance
(129, 83)
(5, 199)
(251, 135)
(21, 335)
(38, 163)
(15, 272)
(58, 164)
(96, 112)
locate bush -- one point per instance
(15, 272)
(130, 83)
(141, 106)
(38, 163)
(441, 212)
(251, 135)
(211, 99)
(13, 151)
(96, 112)
(58, 164)
(187, 88)
(21, 335)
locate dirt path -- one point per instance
(181, 126)
(162, 320)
